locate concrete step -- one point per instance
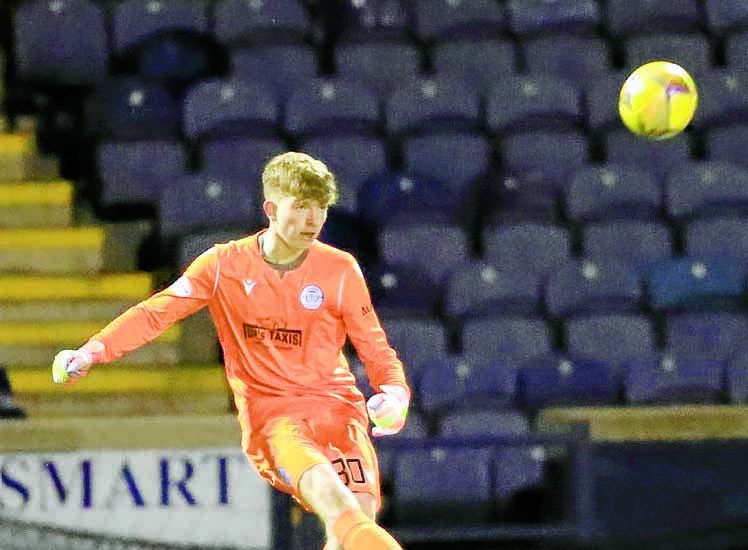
(118, 286)
(36, 204)
(68, 250)
(62, 310)
(20, 161)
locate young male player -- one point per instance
(283, 303)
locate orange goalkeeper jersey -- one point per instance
(281, 336)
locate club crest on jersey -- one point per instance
(311, 297)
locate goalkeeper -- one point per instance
(283, 304)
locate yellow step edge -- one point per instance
(17, 143)
(127, 286)
(57, 192)
(63, 333)
(111, 379)
(76, 237)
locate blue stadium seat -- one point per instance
(353, 159)
(725, 16)
(402, 198)
(610, 337)
(482, 63)
(381, 65)
(238, 22)
(611, 192)
(439, 104)
(690, 51)
(736, 376)
(532, 102)
(531, 248)
(402, 290)
(130, 109)
(415, 429)
(668, 380)
(719, 237)
(695, 284)
(627, 17)
(371, 21)
(416, 341)
(534, 17)
(658, 157)
(723, 98)
(574, 58)
(283, 67)
(442, 484)
(218, 108)
(446, 244)
(728, 144)
(331, 106)
(515, 199)
(601, 97)
(461, 382)
(717, 335)
(444, 20)
(194, 244)
(61, 42)
(517, 469)
(197, 202)
(600, 286)
(634, 243)
(457, 160)
(135, 172)
(483, 423)
(735, 47)
(479, 289)
(707, 189)
(497, 337)
(553, 381)
(134, 22)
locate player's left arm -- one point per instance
(389, 407)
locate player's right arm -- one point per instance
(145, 321)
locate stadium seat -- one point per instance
(463, 383)
(513, 199)
(725, 16)
(610, 337)
(600, 286)
(483, 423)
(381, 65)
(371, 21)
(601, 97)
(442, 484)
(735, 47)
(728, 144)
(553, 381)
(690, 51)
(135, 172)
(415, 428)
(718, 238)
(331, 106)
(283, 67)
(402, 198)
(543, 157)
(130, 109)
(63, 42)
(192, 245)
(634, 243)
(531, 248)
(723, 98)
(575, 59)
(736, 376)
(220, 108)
(439, 104)
(402, 290)
(707, 189)
(696, 284)
(353, 159)
(659, 158)
(416, 342)
(482, 63)
(539, 17)
(715, 335)
(628, 17)
(497, 337)
(668, 380)
(446, 244)
(480, 289)
(197, 202)
(238, 22)
(448, 21)
(613, 192)
(517, 469)
(532, 102)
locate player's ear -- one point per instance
(270, 208)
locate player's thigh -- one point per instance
(322, 490)
(369, 504)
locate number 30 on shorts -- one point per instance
(349, 470)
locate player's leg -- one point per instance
(369, 506)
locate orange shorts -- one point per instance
(287, 445)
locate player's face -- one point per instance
(298, 222)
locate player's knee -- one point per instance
(321, 487)
(368, 504)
